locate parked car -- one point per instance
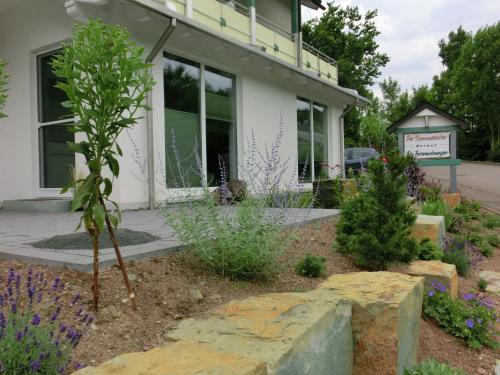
(358, 158)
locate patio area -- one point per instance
(18, 230)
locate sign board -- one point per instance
(430, 145)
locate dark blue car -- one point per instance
(357, 158)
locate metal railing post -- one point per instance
(298, 48)
(189, 8)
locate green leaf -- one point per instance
(108, 187)
(119, 150)
(113, 165)
(99, 216)
(79, 200)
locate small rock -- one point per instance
(196, 295)
(114, 311)
(93, 327)
(125, 300)
(164, 303)
(132, 277)
(497, 368)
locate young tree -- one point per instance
(349, 37)
(106, 81)
(3, 89)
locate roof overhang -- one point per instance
(188, 31)
(313, 4)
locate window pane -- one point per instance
(320, 141)
(304, 139)
(221, 129)
(50, 98)
(182, 122)
(57, 162)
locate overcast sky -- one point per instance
(411, 29)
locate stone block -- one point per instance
(434, 270)
(294, 333)
(386, 310)
(493, 280)
(452, 199)
(431, 227)
(181, 358)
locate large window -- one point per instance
(56, 161)
(200, 127)
(312, 140)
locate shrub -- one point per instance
(472, 319)
(428, 250)
(440, 208)
(491, 221)
(493, 240)
(311, 266)
(33, 337)
(482, 284)
(481, 242)
(374, 226)
(433, 367)
(430, 191)
(329, 193)
(486, 249)
(455, 252)
(416, 178)
(474, 237)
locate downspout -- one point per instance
(341, 126)
(149, 101)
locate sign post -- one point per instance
(430, 135)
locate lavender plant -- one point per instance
(473, 318)
(38, 331)
(244, 239)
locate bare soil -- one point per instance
(177, 286)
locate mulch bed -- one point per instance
(176, 287)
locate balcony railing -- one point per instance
(236, 21)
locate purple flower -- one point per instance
(438, 286)
(469, 296)
(75, 299)
(79, 366)
(36, 320)
(55, 284)
(3, 322)
(469, 323)
(19, 336)
(35, 366)
(431, 293)
(479, 321)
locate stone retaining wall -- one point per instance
(295, 333)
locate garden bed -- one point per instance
(177, 287)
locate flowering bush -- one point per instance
(462, 254)
(33, 337)
(472, 319)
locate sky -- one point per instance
(411, 29)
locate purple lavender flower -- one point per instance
(36, 320)
(55, 284)
(19, 335)
(79, 366)
(75, 299)
(438, 286)
(469, 296)
(3, 322)
(469, 323)
(431, 293)
(35, 366)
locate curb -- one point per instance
(481, 162)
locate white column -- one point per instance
(189, 8)
(253, 25)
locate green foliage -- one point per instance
(329, 193)
(428, 250)
(3, 89)
(468, 210)
(440, 208)
(311, 266)
(373, 132)
(493, 240)
(433, 367)
(430, 191)
(456, 253)
(374, 226)
(486, 249)
(472, 319)
(349, 37)
(242, 243)
(106, 81)
(481, 242)
(482, 284)
(491, 221)
(494, 154)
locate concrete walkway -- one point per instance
(19, 229)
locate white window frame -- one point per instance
(180, 193)
(39, 190)
(309, 184)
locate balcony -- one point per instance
(237, 21)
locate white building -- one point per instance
(224, 70)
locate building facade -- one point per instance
(228, 73)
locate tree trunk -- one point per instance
(123, 267)
(95, 284)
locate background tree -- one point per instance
(106, 80)
(373, 128)
(349, 37)
(3, 87)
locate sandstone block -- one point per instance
(452, 199)
(493, 280)
(386, 309)
(294, 333)
(181, 358)
(436, 270)
(431, 227)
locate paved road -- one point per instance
(476, 181)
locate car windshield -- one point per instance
(360, 153)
